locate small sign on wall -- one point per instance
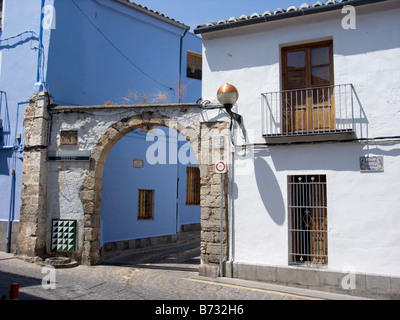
(138, 163)
(67, 155)
(68, 137)
(218, 142)
(371, 164)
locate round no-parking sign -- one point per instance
(220, 167)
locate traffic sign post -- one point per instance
(220, 167)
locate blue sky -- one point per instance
(196, 12)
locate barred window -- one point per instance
(146, 205)
(308, 242)
(192, 186)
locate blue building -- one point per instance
(151, 187)
(84, 52)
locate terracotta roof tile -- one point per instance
(291, 11)
(154, 13)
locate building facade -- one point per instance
(314, 171)
(84, 52)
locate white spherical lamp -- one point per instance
(227, 94)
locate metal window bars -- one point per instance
(315, 110)
(145, 205)
(308, 238)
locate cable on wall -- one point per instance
(118, 50)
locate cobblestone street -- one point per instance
(166, 273)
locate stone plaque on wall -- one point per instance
(138, 163)
(68, 137)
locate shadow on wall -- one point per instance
(270, 191)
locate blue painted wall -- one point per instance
(99, 51)
(106, 51)
(19, 48)
(121, 184)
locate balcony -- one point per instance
(310, 114)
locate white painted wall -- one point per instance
(249, 57)
(363, 208)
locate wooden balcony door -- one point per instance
(307, 82)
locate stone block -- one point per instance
(330, 279)
(378, 284)
(266, 273)
(395, 287)
(247, 271)
(204, 171)
(205, 213)
(209, 226)
(207, 270)
(87, 195)
(122, 245)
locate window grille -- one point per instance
(146, 205)
(308, 242)
(192, 186)
(194, 65)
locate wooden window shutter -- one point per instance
(145, 205)
(192, 186)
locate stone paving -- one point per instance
(168, 273)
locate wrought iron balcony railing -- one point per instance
(316, 110)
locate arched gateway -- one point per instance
(90, 194)
(66, 148)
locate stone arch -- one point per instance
(91, 194)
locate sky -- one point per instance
(197, 12)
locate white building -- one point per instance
(315, 201)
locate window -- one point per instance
(308, 243)
(307, 83)
(146, 205)
(194, 65)
(192, 186)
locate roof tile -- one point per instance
(278, 11)
(152, 12)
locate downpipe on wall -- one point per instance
(180, 66)
(11, 212)
(15, 148)
(39, 85)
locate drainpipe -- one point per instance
(39, 85)
(177, 185)
(180, 66)
(11, 212)
(16, 147)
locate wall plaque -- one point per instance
(371, 164)
(138, 163)
(218, 142)
(69, 155)
(68, 137)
